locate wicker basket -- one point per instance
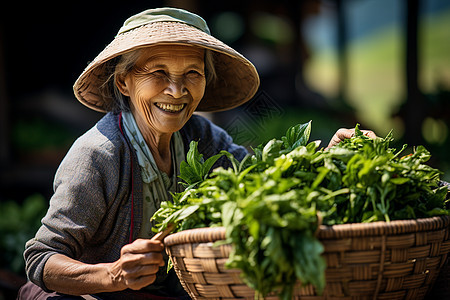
(396, 260)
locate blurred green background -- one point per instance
(382, 63)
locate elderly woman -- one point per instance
(96, 236)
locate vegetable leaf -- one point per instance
(195, 169)
(296, 136)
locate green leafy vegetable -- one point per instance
(270, 203)
(195, 169)
(297, 135)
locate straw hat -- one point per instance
(237, 78)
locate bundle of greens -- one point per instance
(271, 203)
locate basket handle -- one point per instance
(161, 235)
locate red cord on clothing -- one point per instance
(132, 184)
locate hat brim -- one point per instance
(237, 79)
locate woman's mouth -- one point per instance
(173, 108)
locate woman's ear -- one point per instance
(121, 84)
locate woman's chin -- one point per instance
(170, 124)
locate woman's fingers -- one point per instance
(142, 282)
(369, 133)
(138, 264)
(143, 246)
(345, 133)
(139, 276)
(130, 260)
(142, 252)
(340, 135)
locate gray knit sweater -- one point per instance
(89, 217)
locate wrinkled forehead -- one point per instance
(162, 54)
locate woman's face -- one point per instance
(165, 86)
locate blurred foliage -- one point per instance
(31, 134)
(256, 129)
(376, 70)
(436, 129)
(18, 224)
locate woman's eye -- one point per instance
(159, 72)
(193, 73)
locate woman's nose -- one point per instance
(176, 88)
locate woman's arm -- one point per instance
(89, 214)
(137, 267)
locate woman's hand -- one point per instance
(136, 268)
(138, 264)
(344, 133)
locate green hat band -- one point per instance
(165, 14)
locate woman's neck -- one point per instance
(159, 145)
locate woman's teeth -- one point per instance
(170, 107)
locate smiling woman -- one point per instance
(164, 88)
(161, 67)
(123, 64)
(96, 237)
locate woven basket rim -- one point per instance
(212, 234)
